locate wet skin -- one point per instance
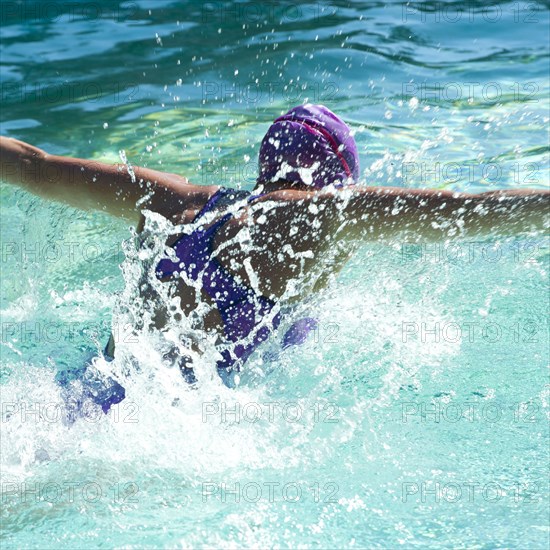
(273, 268)
(292, 232)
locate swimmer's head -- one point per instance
(309, 145)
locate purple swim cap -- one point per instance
(309, 145)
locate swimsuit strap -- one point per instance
(225, 196)
(211, 202)
(252, 197)
(201, 237)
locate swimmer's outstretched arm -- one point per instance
(88, 184)
(430, 214)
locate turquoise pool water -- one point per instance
(416, 416)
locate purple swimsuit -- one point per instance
(309, 137)
(241, 309)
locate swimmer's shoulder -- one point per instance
(195, 198)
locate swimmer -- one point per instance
(302, 221)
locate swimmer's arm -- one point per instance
(430, 214)
(87, 184)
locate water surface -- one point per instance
(417, 415)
